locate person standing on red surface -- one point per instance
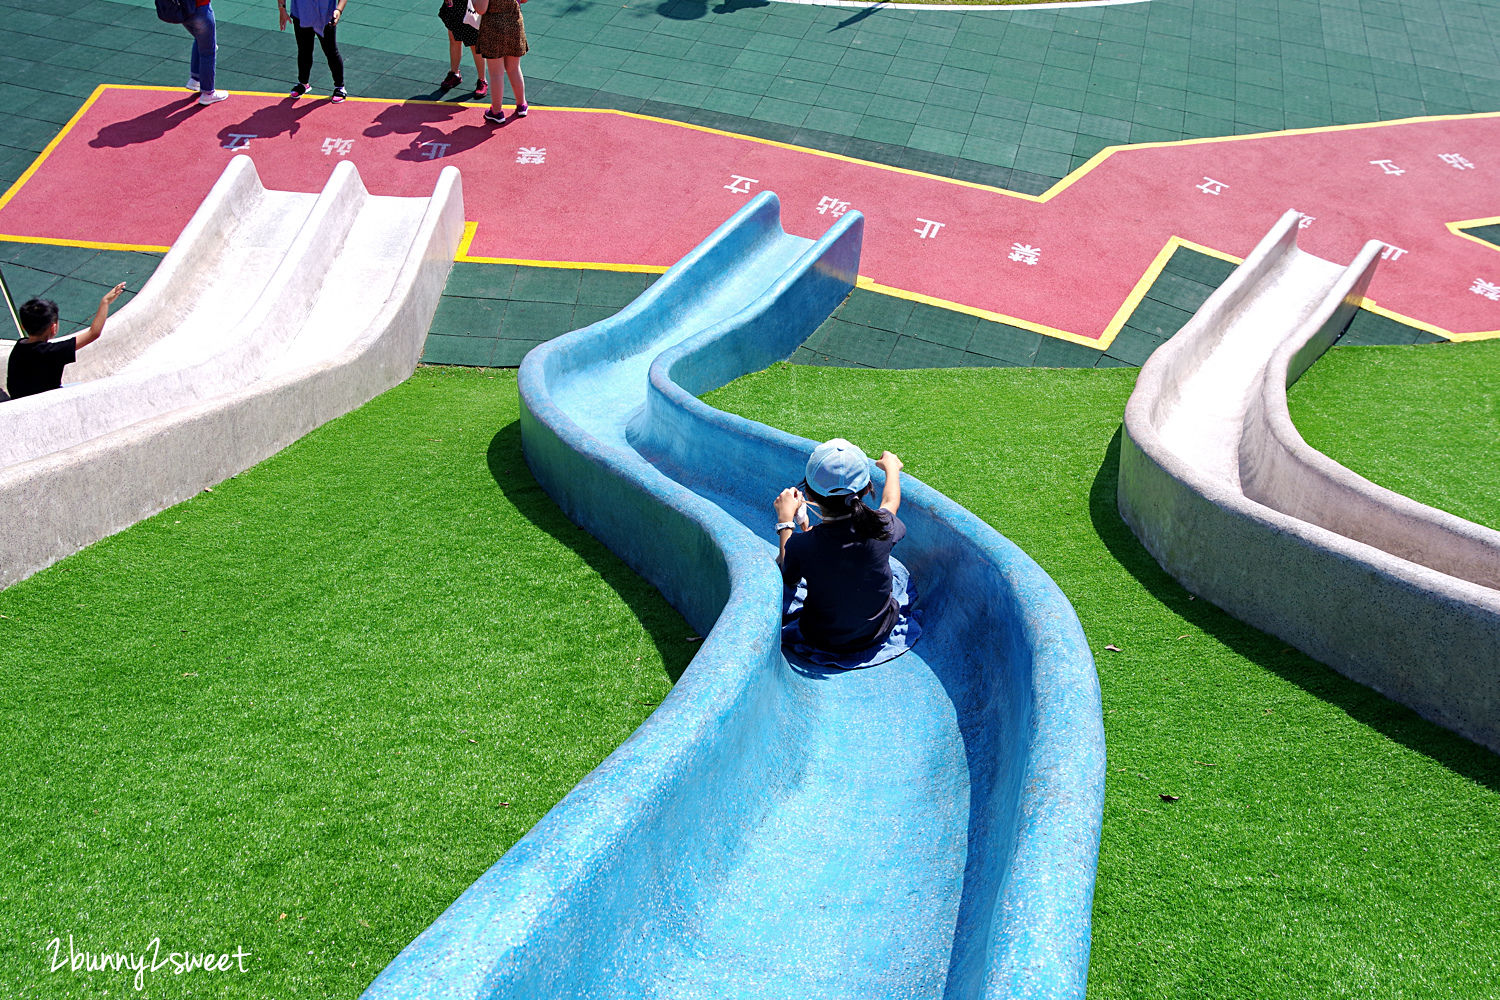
(205, 53)
(320, 18)
(502, 43)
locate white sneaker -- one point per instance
(212, 96)
(193, 84)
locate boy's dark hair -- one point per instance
(867, 522)
(37, 316)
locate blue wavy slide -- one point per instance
(925, 828)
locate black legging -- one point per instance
(330, 43)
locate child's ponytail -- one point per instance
(867, 522)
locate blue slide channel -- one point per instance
(925, 828)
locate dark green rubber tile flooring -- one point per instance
(1014, 98)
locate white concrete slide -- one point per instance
(273, 313)
(1218, 485)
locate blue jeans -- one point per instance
(205, 46)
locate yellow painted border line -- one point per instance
(1108, 151)
(1112, 328)
(26, 174)
(84, 244)
(1102, 342)
(465, 241)
(462, 256)
(1137, 293)
(41, 158)
(1457, 229)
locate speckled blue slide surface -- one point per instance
(928, 827)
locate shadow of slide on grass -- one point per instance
(1363, 704)
(669, 633)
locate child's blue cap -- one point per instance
(837, 468)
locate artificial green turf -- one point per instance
(260, 703)
(1327, 842)
(299, 714)
(1423, 422)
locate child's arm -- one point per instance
(787, 503)
(90, 335)
(890, 497)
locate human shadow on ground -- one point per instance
(452, 95)
(682, 10)
(691, 10)
(282, 118)
(854, 19)
(674, 638)
(421, 121)
(148, 126)
(1363, 704)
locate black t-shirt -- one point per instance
(37, 367)
(848, 604)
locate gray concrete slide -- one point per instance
(274, 312)
(1222, 490)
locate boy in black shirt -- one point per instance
(36, 363)
(845, 560)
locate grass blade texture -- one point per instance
(261, 703)
(1423, 421)
(300, 713)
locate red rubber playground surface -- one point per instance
(619, 190)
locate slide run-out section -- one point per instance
(274, 312)
(924, 828)
(1223, 491)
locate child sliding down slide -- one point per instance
(847, 602)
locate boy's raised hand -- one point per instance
(112, 294)
(787, 503)
(890, 496)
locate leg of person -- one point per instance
(330, 44)
(482, 88)
(205, 51)
(517, 83)
(496, 113)
(193, 83)
(455, 54)
(304, 57)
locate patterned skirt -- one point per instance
(501, 30)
